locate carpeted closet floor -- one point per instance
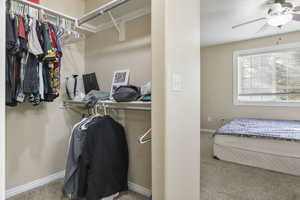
(222, 180)
(53, 190)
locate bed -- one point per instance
(268, 144)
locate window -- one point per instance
(268, 76)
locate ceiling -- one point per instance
(218, 16)
(118, 12)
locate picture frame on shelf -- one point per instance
(120, 78)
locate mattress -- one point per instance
(267, 153)
(281, 129)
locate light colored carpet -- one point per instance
(222, 180)
(53, 191)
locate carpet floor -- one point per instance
(222, 180)
(53, 190)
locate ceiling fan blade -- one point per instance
(267, 4)
(296, 17)
(249, 22)
(296, 9)
(287, 5)
(264, 28)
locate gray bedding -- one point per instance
(279, 129)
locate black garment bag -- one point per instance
(103, 165)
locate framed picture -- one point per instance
(120, 77)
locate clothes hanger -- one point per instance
(104, 109)
(12, 8)
(22, 10)
(57, 21)
(93, 116)
(143, 139)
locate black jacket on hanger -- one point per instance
(104, 161)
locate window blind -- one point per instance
(269, 74)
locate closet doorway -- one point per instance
(89, 40)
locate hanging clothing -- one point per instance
(9, 94)
(41, 81)
(103, 165)
(39, 32)
(16, 34)
(10, 35)
(31, 77)
(75, 149)
(22, 32)
(22, 35)
(21, 95)
(34, 45)
(33, 61)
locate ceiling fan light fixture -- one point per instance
(277, 7)
(280, 20)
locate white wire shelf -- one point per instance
(133, 105)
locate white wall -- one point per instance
(183, 108)
(176, 50)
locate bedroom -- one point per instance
(250, 83)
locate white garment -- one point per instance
(41, 81)
(21, 95)
(34, 45)
(79, 91)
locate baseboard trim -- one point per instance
(208, 130)
(34, 184)
(139, 189)
(59, 175)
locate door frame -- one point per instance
(2, 99)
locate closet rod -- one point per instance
(100, 11)
(38, 6)
(127, 108)
(141, 108)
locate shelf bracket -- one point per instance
(119, 27)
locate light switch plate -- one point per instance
(177, 82)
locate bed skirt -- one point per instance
(271, 154)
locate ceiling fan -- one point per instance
(280, 13)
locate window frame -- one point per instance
(269, 49)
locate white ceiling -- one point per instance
(218, 16)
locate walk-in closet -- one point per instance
(100, 99)
(66, 72)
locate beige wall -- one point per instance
(105, 54)
(216, 84)
(93, 4)
(37, 137)
(158, 99)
